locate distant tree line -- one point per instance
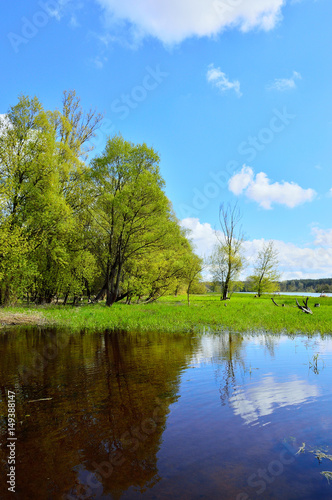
(304, 285)
(307, 285)
(70, 226)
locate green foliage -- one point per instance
(67, 228)
(140, 244)
(42, 198)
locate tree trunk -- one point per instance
(101, 293)
(88, 292)
(114, 289)
(225, 289)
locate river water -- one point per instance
(130, 416)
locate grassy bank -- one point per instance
(171, 314)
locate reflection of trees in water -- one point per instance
(110, 399)
(229, 355)
(230, 352)
(268, 341)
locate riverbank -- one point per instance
(172, 314)
(10, 317)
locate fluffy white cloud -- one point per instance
(202, 235)
(295, 262)
(172, 21)
(282, 84)
(260, 189)
(239, 182)
(219, 79)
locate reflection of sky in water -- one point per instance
(260, 374)
(241, 399)
(269, 394)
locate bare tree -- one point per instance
(227, 260)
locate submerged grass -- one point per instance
(171, 314)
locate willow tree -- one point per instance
(227, 260)
(132, 217)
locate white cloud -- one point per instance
(295, 262)
(172, 21)
(267, 396)
(239, 182)
(219, 79)
(260, 189)
(282, 84)
(322, 237)
(202, 235)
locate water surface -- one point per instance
(152, 416)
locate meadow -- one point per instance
(171, 314)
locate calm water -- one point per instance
(166, 416)
(298, 294)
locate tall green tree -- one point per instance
(43, 190)
(132, 215)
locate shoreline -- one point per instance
(172, 315)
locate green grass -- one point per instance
(171, 314)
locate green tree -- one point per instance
(131, 213)
(44, 190)
(266, 275)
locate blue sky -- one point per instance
(233, 94)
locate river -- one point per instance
(153, 416)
